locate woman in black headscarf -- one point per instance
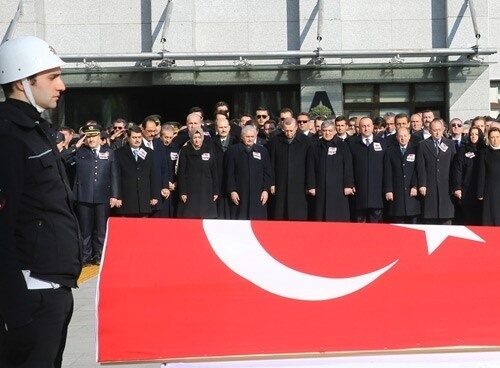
(465, 170)
(197, 178)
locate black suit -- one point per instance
(223, 201)
(163, 176)
(433, 169)
(96, 181)
(368, 163)
(138, 181)
(400, 175)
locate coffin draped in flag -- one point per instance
(176, 289)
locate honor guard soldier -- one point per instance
(96, 190)
(40, 243)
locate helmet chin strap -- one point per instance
(29, 95)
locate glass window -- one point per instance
(394, 93)
(358, 93)
(359, 114)
(396, 110)
(429, 92)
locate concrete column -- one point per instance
(468, 87)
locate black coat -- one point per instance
(329, 171)
(368, 164)
(488, 186)
(96, 179)
(38, 227)
(249, 174)
(288, 162)
(172, 152)
(400, 175)
(163, 172)
(433, 170)
(197, 179)
(465, 171)
(223, 202)
(138, 181)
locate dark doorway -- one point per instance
(171, 102)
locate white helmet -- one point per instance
(25, 56)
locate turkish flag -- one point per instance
(173, 289)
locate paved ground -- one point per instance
(80, 347)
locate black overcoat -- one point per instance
(488, 186)
(288, 161)
(249, 174)
(197, 179)
(329, 171)
(223, 202)
(465, 171)
(138, 181)
(368, 164)
(433, 171)
(400, 175)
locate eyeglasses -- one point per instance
(302, 121)
(261, 116)
(456, 125)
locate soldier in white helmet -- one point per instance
(40, 242)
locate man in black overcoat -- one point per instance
(368, 162)
(330, 176)
(400, 180)
(221, 142)
(288, 153)
(140, 189)
(434, 158)
(149, 127)
(249, 175)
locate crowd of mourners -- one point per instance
(395, 168)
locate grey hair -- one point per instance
(167, 128)
(248, 128)
(326, 124)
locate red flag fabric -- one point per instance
(171, 289)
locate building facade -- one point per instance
(133, 58)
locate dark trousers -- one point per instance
(404, 219)
(92, 218)
(371, 215)
(40, 343)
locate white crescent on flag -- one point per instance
(245, 256)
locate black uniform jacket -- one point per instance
(288, 161)
(138, 181)
(433, 171)
(248, 173)
(400, 175)
(38, 228)
(197, 179)
(329, 171)
(96, 179)
(368, 163)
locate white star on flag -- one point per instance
(436, 234)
